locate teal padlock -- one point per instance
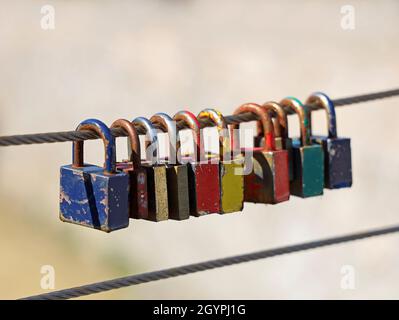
(307, 158)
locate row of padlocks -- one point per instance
(177, 187)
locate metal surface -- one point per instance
(337, 150)
(203, 175)
(307, 158)
(230, 170)
(176, 173)
(158, 209)
(268, 181)
(93, 196)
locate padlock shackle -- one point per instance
(281, 121)
(166, 124)
(104, 132)
(191, 121)
(322, 100)
(134, 141)
(224, 140)
(304, 120)
(264, 118)
(151, 138)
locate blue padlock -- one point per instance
(337, 151)
(93, 196)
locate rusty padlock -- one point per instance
(158, 209)
(177, 173)
(268, 181)
(138, 193)
(337, 150)
(203, 175)
(93, 196)
(230, 168)
(308, 158)
(280, 123)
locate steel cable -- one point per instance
(207, 265)
(64, 136)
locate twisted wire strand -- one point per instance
(207, 265)
(65, 136)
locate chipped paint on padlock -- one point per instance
(138, 194)
(203, 175)
(230, 170)
(308, 158)
(177, 173)
(337, 150)
(93, 196)
(158, 208)
(268, 182)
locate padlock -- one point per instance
(280, 123)
(308, 158)
(93, 196)
(268, 181)
(337, 150)
(138, 194)
(230, 168)
(203, 175)
(158, 208)
(177, 173)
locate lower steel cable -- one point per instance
(207, 265)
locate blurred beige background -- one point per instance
(114, 59)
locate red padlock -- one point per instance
(268, 181)
(283, 141)
(138, 193)
(203, 176)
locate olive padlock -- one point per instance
(93, 196)
(337, 150)
(158, 209)
(230, 169)
(268, 181)
(138, 193)
(177, 173)
(203, 175)
(308, 158)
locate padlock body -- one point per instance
(286, 144)
(178, 194)
(337, 161)
(281, 144)
(204, 188)
(138, 192)
(308, 164)
(158, 208)
(259, 141)
(90, 198)
(268, 181)
(231, 186)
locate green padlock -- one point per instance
(307, 158)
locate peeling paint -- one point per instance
(89, 200)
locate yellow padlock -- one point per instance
(230, 169)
